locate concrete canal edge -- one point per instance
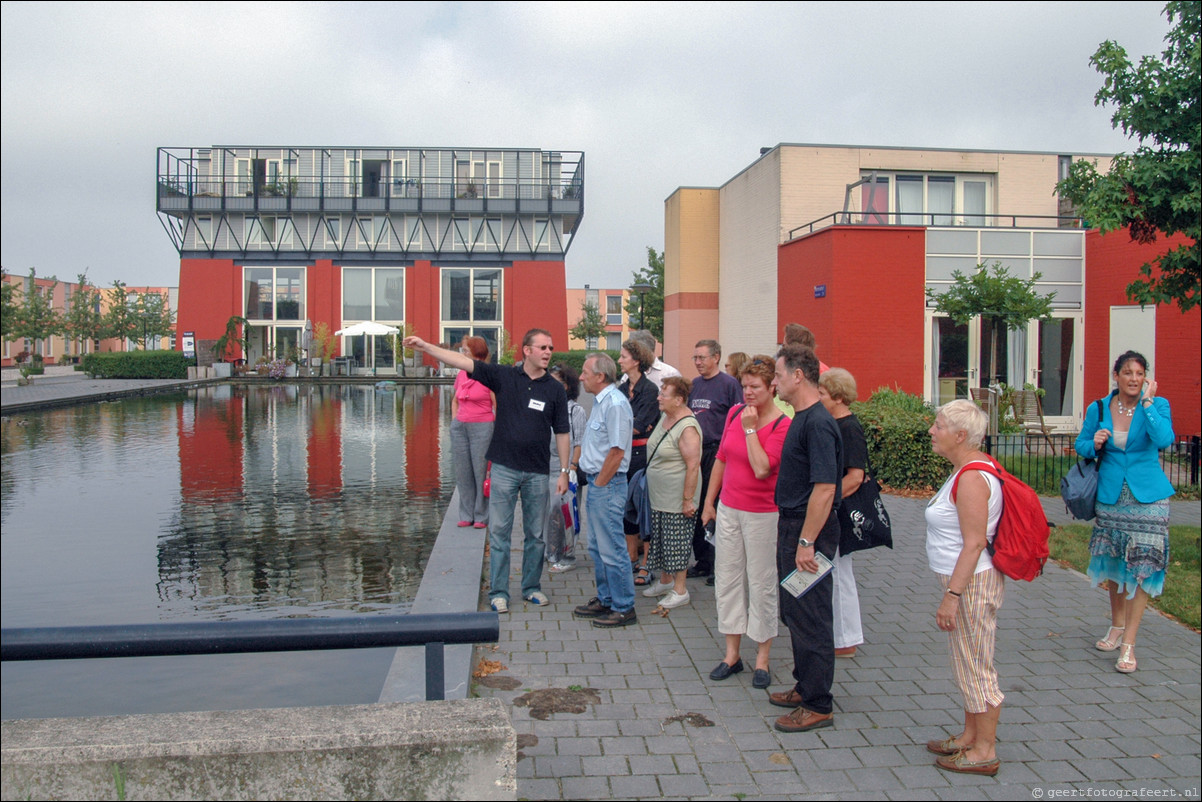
(456, 749)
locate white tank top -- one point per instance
(944, 540)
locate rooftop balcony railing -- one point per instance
(936, 220)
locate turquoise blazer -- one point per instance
(1138, 464)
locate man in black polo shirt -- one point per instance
(529, 403)
(807, 494)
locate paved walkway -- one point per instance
(1069, 722)
(62, 385)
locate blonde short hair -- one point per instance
(839, 384)
(965, 416)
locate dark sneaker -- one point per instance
(616, 619)
(594, 609)
(698, 571)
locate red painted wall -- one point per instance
(536, 297)
(210, 290)
(211, 447)
(1112, 261)
(870, 320)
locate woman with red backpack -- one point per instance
(962, 520)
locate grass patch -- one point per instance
(1183, 580)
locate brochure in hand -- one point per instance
(798, 582)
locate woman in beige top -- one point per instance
(673, 473)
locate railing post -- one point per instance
(435, 676)
(1194, 442)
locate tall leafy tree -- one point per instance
(83, 321)
(8, 307)
(137, 316)
(591, 324)
(36, 318)
(1158, 187)
(647, 307)
(1001, 300)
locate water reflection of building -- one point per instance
(304, 497)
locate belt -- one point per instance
(642, 442)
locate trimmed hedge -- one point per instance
(575, 359)
(896, 427)
(137, 365)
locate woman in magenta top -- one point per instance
(740, 499)
(473, 410)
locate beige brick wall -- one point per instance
(691, 241)
(750, 235)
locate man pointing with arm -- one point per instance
(529, 403)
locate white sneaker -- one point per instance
(657, 589)
(674, 599)
(537, 598)
(560, 567)
(500, 605)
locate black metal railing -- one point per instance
(936, 219)
(1041, 461)
(433, 631)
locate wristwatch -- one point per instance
(749, 431)
(802, 543)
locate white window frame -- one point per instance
(958, 216)
(332, 240)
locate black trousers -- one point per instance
(703, 552)
(810, 619)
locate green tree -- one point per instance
(998, 298)
(36, 318)
(137, 316)
(1158, 188)
(647, 307)
(591, 325)
(8, 307)
(83, 321)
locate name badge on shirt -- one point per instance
(537, 405)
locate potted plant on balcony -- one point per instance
(232, 337)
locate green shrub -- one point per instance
(896, 427)
(575, 359)
(137, 365)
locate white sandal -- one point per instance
(1114, 636)
(1126, 663)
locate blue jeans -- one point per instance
(506, 487)
(607, 544)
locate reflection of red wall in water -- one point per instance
(421, 444)
(325, 449)
(210, 450)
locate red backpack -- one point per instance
(1020, 547)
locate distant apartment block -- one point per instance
(611, 305)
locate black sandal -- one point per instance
(643, 577)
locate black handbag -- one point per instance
(1079, 487)
(863, 520)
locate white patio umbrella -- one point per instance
(366, 328)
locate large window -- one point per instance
(373, 294)
(471, 304)
(274, 293)
(921, 199)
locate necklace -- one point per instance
(1125, 410)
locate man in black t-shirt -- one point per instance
(807, 494)
(529, 404)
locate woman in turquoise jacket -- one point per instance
(1130, 544)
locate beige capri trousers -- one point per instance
(745, 582)
(972, 642)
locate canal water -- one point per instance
(221, 503)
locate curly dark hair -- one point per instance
(571, 381)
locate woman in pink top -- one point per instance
(740, 499)
(473, 410)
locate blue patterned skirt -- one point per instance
(1130, 544)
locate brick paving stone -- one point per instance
(585, 788)
(604, 765)
(652, 764)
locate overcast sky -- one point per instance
(658, 96)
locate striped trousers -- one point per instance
(972, 643)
